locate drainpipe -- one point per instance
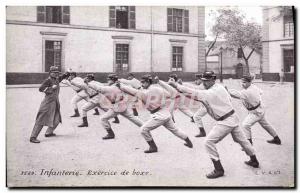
(151, 54)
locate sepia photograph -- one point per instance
(150, 96)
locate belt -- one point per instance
(94, 95)
(226, 116)
(253, 108)
(155, 110)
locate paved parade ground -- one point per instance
(84, 159)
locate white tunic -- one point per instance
(250, 97)
(216, 100)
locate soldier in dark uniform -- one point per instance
(49, 111)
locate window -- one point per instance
(177, 58)
(122, 17)
(288, 60)
(122, 58)
(178, 20)
(53, 14)
(288, 26)
(53, 52)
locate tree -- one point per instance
(239, 33)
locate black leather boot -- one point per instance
(84, 122)
(252, 162)
(188, 143)
(275, 140)
(96, 112)
(135, 113)
(116, 120)
(110, 134)
(217, 172)
(152, 148)
(202, 132)
(34, 140)
(76, 113)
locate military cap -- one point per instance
(90, 76)
(174, 76)
(247, 78)
(147, 78)
(112, 77)
(208, 75)
(53, 69)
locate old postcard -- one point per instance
(150, 96)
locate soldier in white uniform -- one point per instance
(119, 104)
(218, 104)
(94, 99)
(201, 112)
(135, 83)
(251, 99)
(80, 93)
(154, 99)
(180, 100)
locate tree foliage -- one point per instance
(239, 33)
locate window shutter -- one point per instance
(112, 16)
(132, 17)
(186, 21)
(41, 14)
(66, 14)
(170, 19)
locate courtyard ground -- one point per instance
(82, 150)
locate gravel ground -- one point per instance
(80, 152)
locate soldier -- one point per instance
(135, 83)
(218, 105)
(180, 100)
(94, 99)
(154, 99)
(119, 104)
(81, 94)
(49, 111)
(201, 112)
(251, 99)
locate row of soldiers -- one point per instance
(161, 99)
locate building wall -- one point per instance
(230, 60)
(273, 41)
(88, 42)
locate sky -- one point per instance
(252, 13)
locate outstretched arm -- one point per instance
(235, 93)
(172, 92)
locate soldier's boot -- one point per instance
(202, 132)
(188, 143)
(135, 113)
(152, 148)
(76, 113)
(110, 135)
(34, 140)
(192, 120)
(96, 112)
(84, 122)
(252, 162)
(275, 140)
(217, 172)
(116, 120)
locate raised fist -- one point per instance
(155, 80)
(118, 84)
(172, 82)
